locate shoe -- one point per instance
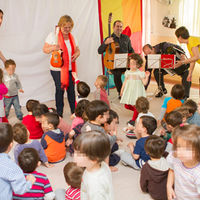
(131, 123)
(130, 134)
(164, 90)
(119, 97)
(160, 94)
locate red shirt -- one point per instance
(33, 127)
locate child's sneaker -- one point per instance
(131, 123)
(130, 134)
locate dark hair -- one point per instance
(52, 118)
(149, 123)
(73, 174)
(147, 45)
(9, 62)
(39, 110)
(137, 58)
(191, 105)
(28, 160)
(142, 105)
(182, 32)
(83, 89)
(20, 133)
(6, 136)
(96, 108)
(103, 79)
(94, 145)
(80, 108)
(178, 91)
(189, 133)
(30, 104)
(1, 75)
(1, 11)
(116, 22)
(154, 146)
(174, 118)
(112, 115)
(184, 111)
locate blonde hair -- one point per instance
(103, 80)
(65, 19)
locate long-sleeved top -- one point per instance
(11, 178)
(194, 119)
(13, 84)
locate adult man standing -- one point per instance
(124, 47)
(168, 48)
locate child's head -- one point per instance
(154, 146)
(80, 108)
(83, 89)
(173, 119)
(191, 105)
(20, 133)
(30, 104)
(1, 76)
(142, 105)
(97, 111)
(113, 120)
(146, 126)
(50, 121)
(28, 160)
(39, 110)
(6, 137)
(101, 81)
(91, 148)
(73, 174)
(10, 66)
(184, 111)
(178, 91)
(134, 60)
(186, 142)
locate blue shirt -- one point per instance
(195, 119)
(11, 178)
(139, 150)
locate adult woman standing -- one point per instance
(63, 76)
(193, 45)
(1, 20)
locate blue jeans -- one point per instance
(15, 102)
(59, 96)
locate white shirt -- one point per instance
(51, 39)
(97, 185)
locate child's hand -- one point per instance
(20, 90)
(72, 116)
(48, 165)
(31, 178)
(163, 132)
(68, 142)
(74, 74)
(147, 73)
(170, 193)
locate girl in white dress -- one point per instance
(133, 86)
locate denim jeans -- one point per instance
(59, 96)
(15, 102)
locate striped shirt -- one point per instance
(187, 180)
(40, 189)
(72, 193)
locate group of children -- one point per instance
(166, 160)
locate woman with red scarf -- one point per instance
(63, 76)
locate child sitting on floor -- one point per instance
(53, 140)
(144, 128)
(34, 127)
(153, 179)
(28, 161)
(21, 136)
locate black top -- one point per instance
(124, 44)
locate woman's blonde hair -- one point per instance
(65, 19)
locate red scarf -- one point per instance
(65, 57)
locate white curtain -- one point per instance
(25, 26)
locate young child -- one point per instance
(100, 92)
(73, 177)
(53, 140)
(144, 128)
(28, 161)
(133, 86)
(21, 136)
(3, 92)
(173, 102)
(153, 179)
(194, 116)
(13, 84)
(91, 149)
(184, 111)
(142, 107)
(11, 176)
(184, 163)
(34, 127)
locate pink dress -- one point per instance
(3, 91)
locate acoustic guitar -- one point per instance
(110, 49)
(56, 58)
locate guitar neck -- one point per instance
(109, 32)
